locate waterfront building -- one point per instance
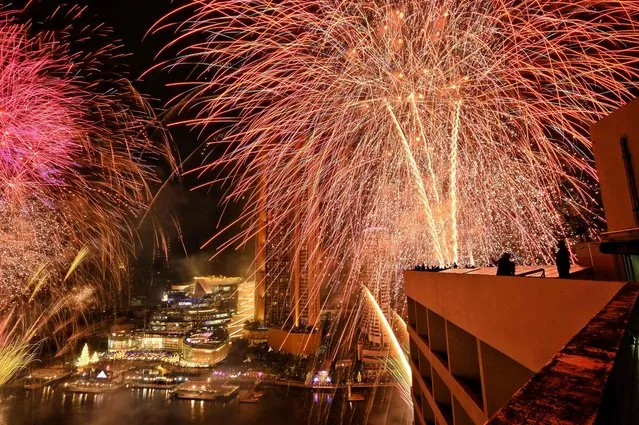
(197, 348)
(190, 324)
(206, 348)
(534, 348)
(156, 341)
(143, 340)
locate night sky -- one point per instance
(199, 213)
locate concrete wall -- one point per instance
(604, 266)
(502, 378)
(528, 319)
(606, 135)
(476, 339)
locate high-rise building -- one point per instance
(260, 253)
(288, 276)
(378, 281)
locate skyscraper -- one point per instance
(377, 279)
(287, 270)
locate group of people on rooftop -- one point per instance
(506, 265)
(424, 268)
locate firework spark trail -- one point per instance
(453, 181)
(369, 95)
(400, 354)
(420, 187)
(72, 152)
(429, 161)
(24, 326)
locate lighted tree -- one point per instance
(84, 359)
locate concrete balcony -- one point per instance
(477, 338)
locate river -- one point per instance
(279, 406)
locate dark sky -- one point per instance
(198, 212)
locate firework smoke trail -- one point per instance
(73, 146)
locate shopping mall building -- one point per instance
(189, 326)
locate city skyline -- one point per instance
(390, 211)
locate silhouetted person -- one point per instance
(562, 259)
(505, 266)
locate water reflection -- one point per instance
(280, 406)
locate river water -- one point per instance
(279, 406)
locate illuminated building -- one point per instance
(145, 341)
(255, 333)
(160, 341)
(189, 324)
(222, 290)
(193, 348)
(206, 348)
(174, 320)
(288, 275)
(122, 341)
(533, 348)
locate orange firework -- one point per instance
(460, 126)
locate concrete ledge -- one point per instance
(527, 319)
(570, 388)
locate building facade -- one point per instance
(615, 142)
(288, 283)
(476, 338)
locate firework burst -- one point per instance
(76, 142)
(469, 117)
(460, 128)
(73, 148)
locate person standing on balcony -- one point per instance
(505, 266)
(562, 259)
